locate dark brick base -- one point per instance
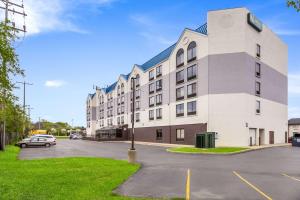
(148, 134)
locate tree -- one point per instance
(9, 67)
(295, 4)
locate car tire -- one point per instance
(47, 145)
(23, 145)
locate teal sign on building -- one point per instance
(255, 22)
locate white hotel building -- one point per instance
(229, 76)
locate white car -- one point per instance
(49, 138)
(37, 140)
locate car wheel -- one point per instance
(47, 145)
(23, 145)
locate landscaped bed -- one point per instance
(61, 178)
(218, 150)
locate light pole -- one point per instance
(132, 151)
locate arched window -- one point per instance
(122, 88)
(191, 52)
(137, 80)
(180, 58)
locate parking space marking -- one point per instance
(188, 180)
(293, 178)
(252, 186)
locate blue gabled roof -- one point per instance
(202, 29)
(158, 58)
(111, 87)
(125, 76)
(92, 95)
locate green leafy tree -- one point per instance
(294, 4)
(9, 67)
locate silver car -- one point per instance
(36, 141)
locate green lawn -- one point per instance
(61, 178)
(218, 150)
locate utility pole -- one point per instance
(39, 123)
(132, 151)
(15, 9)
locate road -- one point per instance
(272, 173)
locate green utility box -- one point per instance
(205, 140)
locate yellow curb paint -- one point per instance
(252, 186)
(188, 184)
(295, 179)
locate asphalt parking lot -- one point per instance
(272, 173)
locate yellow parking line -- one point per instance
(295, 179)
(252, 186)
(188, 179)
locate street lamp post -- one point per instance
(132, 151)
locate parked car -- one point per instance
(36, 141)
(74, 136)
(50, 138)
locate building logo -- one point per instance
(255, 22)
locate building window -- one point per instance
(151, 75)
(191, 52)
(151, 88)
(191, 108)
(179, 110)
(158, 99)
(122, 120)
(180, 77)
(159, 113)
(159, 134)
(122, 109)
(122, 100)
(151, 101)
(119, 101)
(192, 72)
(137, 117)
(119, 90)
(180, 58)
(257, 70)
(137, 105)
(118, 110)
(118, 120)
(137, 94)
(151, 114)
(122, 88)
(158, 85)
(257, 88)
(257, 107)
(258, 52)
(158, 71)
(137, 80)
(180, 93)
(180, 134)
(191, 90)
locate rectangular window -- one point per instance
(122, 109)
(119, 101)
(257, 107)
(180, 77)
(137, 117)
(158, 85)
(180, 93)
(122, 120)
(180, 59)
(179, 110)
(191, 90)
(159, 134)
(137, 105)
(257, 70)
(179, 134)
(137, 94)
(151, 88)
(257, 89)
(118, 120)
(151, 114)
(122, 100)
(158, 99)
(119, 110)
(159, 113)
(158, 71)
(151, 101)
(258, 50)
(192, 108)
(151, 75)
(192, 72)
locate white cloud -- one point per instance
(54, 83)
(53, 15)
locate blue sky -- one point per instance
(73, 44)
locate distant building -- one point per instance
(294, 126)
(229, 76)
